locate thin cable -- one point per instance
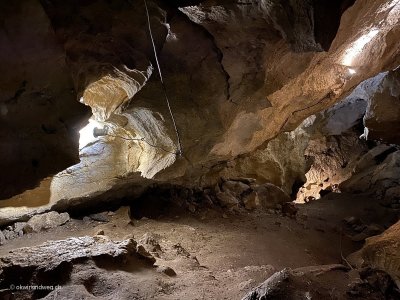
(179, 152)
(142, 140)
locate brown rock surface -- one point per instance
(383, 252)
(237, 76)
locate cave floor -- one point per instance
(212, 252)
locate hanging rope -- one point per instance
(141, 140)
(179, 151)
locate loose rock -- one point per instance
(2, 238)
(237, 188)
(226, 199)
(48, 220)
(270, 195)
(166, 270)
(100, 217)
(251, 201)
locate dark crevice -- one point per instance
(216, 49)
(327, 15)
(381, 157)
(21, 89)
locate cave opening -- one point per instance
(200, 149)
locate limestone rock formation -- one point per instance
(39, 114)
(43, 256)
(237, 75)
(382, 252)
(383, 113)
(47, 220)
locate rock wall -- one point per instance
(39, 114)
(237, 75)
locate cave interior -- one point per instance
(200, 149)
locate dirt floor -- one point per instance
(216, 254)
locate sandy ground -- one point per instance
(216, 254)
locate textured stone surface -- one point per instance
(39, 114)
(47, 220)
(227, 199)
(316, 282)
(383, 252)
(383, 113)
(51, 254)
(236, 187)
(237, 75)
(376, 174)
(292, 284)
(269, 195)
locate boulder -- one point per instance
(48, 220)
(270, 195)
(227, 199)
(251, 201)
(166, 270)
(235, 187)
(50, 255)
(392, 196)
(383, 252)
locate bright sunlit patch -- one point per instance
(358, 46)
(352, 71)
(392, 5)
(86, 133)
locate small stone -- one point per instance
(100, 232)
(9, 234)
(224, 216)
(27, 229)
(2, 238)
(166, 270)
(150, 242)
(86, 219)
(191, 208)
(145, 254)
(100, 217)
(111, 213)
(19, 226)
